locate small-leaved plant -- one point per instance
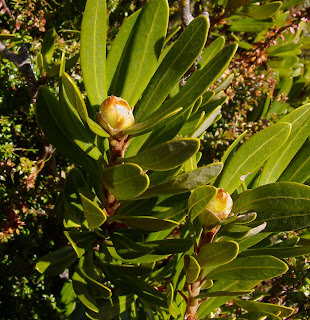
(151, 233)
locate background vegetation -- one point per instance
(271, 77)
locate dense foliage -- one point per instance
(266, 79)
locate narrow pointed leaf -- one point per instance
(125, 181)
(217, 253)
(127, 248)
(167, 155)
(277, 163)
(185, 182)
(56, 262)
(145, 222)
(140, 57)
(257, 306)
(192, 268)
(283, 205)
(76, 100)
(84, 291)
(249, 268)
(252, 154)
(109, 309)
(285, 252)
(94, 215)
(262, 11)
(152, 122)
(52, 126)
(223, 285)
(118, 46)
(298, 169)
(80, 241)
(203, 295)
(211, 50)
(93, 50)
(177, 61)
(199, 200)
(48, 47)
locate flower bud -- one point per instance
(115, 115)
(217, 210)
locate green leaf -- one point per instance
(249, 25)
(84, 290)
(262, 11)
(109, 309)
(165, 156)
(177, 61)
(203, 295)
(80, 241)
(149, 258)
(89, 272)
(199, 200)
(285, 252)
(169, 246)
(211, 51)
(145, 222)
(76, 100)
(144, 46)
(217, 253)
(249, 268)
(125, 181)
(298, 169)
(56, 262)
(184, 182)
(5, 36)
(119, 46)
(256, 306)
(48, 47)
(277, 163)
(283, 205)
(192, 268)
(128, 249)
(93, 50)
(223, 285)
(252, 154)
(94, 215)
(197, 84)
(68, 117)
(46, 102)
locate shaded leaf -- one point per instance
(145, 222)
(256, 306)
(167, 155)
(80, 241)
(192, 268)
(56, 262)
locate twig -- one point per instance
(22, 61)
(7, 9)
(187, 17)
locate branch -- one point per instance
(22, 61)
(187, 17)
(7, 9)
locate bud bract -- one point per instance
(115, 115)
(217, 210)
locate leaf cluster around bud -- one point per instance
(134, 214)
